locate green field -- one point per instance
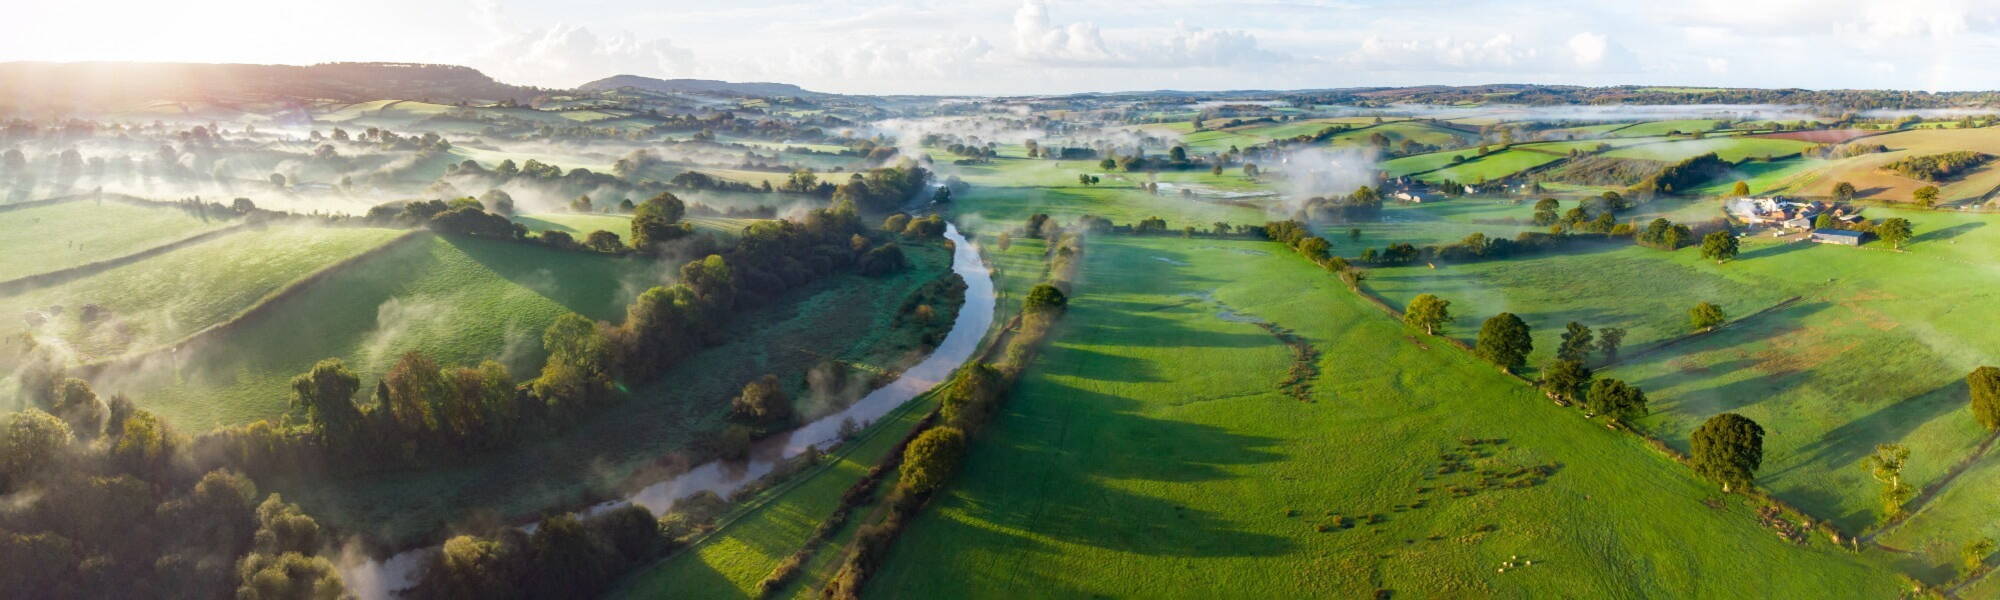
(1727, 148)
(1875, 353)
(165, 298)
(57, 236)
(1654, 128)
(847, 317)
(458, 300)
(1148, 453)
(1484, 168)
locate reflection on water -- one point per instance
(369, 578)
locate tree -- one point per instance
(658, 220)
(1564, 379)
(1616, 400)
(1742, 189)
(1895, 230)
(1728, 449)
(1973, 556)
(1843, 191)
(30, 441)
(1926, 196)
(1608, 341)
(1705, 316)
(1575, 343)
(1886, 466)
(1428, 312)
(763, 402)
(327, 394)
(896, 223)
(1984, 383)
(498, 201)
(1719, 246)
(1825, 221)
(930, 458)
(1044, 297)
(580, 204)
(1504, 340)
(578, 368)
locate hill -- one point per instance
(113, 83)
(696, 86)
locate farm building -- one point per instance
(1838, 236)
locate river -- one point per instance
(373, 579)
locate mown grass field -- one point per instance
(165, 298)
(847, 317)
(457, 300)
(57, 236)
(1149, 453)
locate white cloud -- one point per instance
(1038, 40)
(564, 55)
(1588, 49)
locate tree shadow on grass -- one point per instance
(1938, 235)
(1849, 443)
(1073, 442)
(587, 284)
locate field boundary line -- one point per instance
(1675, 341)
(1936, 488)
(37, 281)
(258, 309)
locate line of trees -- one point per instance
(422, 413)
(969, 400)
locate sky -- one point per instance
(1017, 47)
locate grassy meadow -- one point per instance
(1149, 452)
(168, 297)
(62, 235)
(457, 300)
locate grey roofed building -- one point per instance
(1838, 236)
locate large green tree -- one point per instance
(326, 393)
(1719, 246)
(1616, 400)
(1564, 379)
(1576, 343)
(1984, 382)
(1728, 449)
(1896, 231)
(1609, 339)
(1705, 316)
(1428, 312)
(931, 458)
(1504, 339)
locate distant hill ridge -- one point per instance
(86, 83)
(696, 86)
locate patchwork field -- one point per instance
(1729, 148)
(1150, 453)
